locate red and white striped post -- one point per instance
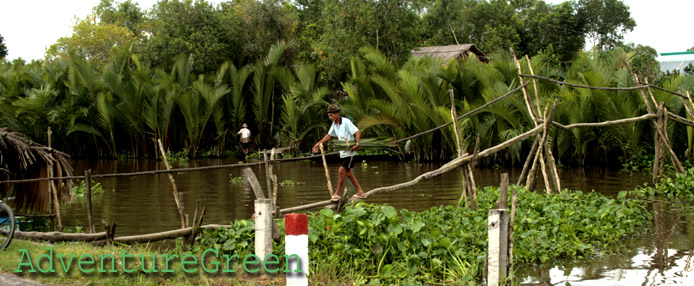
(296, 243)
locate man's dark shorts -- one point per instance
(245, 145)
(348, 162)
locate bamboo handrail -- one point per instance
(585, 86)
(606, 123)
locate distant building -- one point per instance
(675, 61)
(451, 51)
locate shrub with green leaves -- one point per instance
(448, 243)
(678, 186)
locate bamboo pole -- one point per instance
(680, 119)
(174, 189)
(274, 185)
(586, 86)
(663, 137)
(56, 236)
(454, 115)
(511, 225)
(552, 167)
(327, 172)
(88, 182)
(526, 166)
(535, 86)
(458, 162)
(607, 123)
(527, 99)
(51, 184)
(268, 177)
(502, 203)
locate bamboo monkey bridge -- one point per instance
(539, 160)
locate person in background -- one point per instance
(245, 137)
(344, 130)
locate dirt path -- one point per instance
(13, 280)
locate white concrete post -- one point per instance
(296, 245)
(263, 228)
(498, 246)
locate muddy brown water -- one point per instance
(144, 204)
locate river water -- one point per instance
(662, 255)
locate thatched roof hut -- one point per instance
(451, 51)
(21, 158)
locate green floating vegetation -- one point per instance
(235, 180)
(377, 244)
(679, 186)
(80, 189)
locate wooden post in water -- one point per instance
(177, 196)
(498, 246)
(51, 185)
(503, 192)
(268, 176)
(252, 180)
(88, 182)
(263, 227)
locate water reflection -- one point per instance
(659, 257)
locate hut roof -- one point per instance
(21, 158)
(450, 51)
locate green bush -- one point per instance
(448, 243)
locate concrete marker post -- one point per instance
(296, 243)
(498, 246)
(263, 228)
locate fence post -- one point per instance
(498, 246)
(88, 183)
(296, 245)
(263, 228)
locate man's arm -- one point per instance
(356, 138)
(326, 138)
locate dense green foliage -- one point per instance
(326, 33)
(374, 242)
(679, 186)
(189, 73)
(3, 48)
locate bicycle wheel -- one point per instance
(7, 225)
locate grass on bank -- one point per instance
(11, 258)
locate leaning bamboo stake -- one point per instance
(542, 142)
(552, 167)
(454, 115)
(527, 99)
(664, 139)
(526, 166)
(535, 86)
(327, 172)
(51, 184)
(176, 194)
